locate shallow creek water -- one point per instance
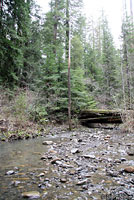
(85, 164)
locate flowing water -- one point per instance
(88, 165)
(22, 157)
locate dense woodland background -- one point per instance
(34, 51)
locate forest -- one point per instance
(59, 63)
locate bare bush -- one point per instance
(128, 121)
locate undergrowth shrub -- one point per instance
(21, 106)
(39, 114)
(128, 121)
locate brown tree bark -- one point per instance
(55, 26)
(68, 55)
(69, 87)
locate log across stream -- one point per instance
(90, 117)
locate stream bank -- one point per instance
(78, 165)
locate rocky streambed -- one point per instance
(78, 165)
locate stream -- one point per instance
(84, 164)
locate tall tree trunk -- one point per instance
(69, 86)
(1, 4)
(131, 10)
(67, 29)
(68, 55)
(128, 92)
(55, 26)
(126, 56)
(123, 84)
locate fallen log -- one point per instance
(88, 117)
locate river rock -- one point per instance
(123, 159)
(42, 186)
(15, 183)
(79, 140)
(10, 172)
(52, 151)
(31, 195)
(49, 157)
(45, 193)
(89, 156)
(82, 182)
(41, 174)
(130, 153)
(75, 150)
(113, 173)
(117, 161)
(63, 180)
(54, 160)
(47, 142)
(43, 157)
(129, 169)
(107, 138)
(72, 172)
(58, 162)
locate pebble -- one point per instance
(63, 180)
(44, 157)
(129, 169)
(31, 195)
(72, 171)
(15, 183)
(52, 151)
(82, 182)
(79, 140)
(41, 174)
(112, 174)
(54, 160)
(49, 157)
(58, 162)
(44, 194)
(117, 161)
(42, 186)
(89, 156)
(10, 172)
(123, 159)
(130, 153)
(75, 150)
(47, 142)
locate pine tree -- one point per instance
(128, 53)
(108, 63)
(80, 98)
(54, 81)
(16, 39)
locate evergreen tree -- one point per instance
(54, 80)
(128, 59)
(15, 41)
(80, 98)
(108, 64)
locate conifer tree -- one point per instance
(108, 63)
(128, 59)
(15, 39)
